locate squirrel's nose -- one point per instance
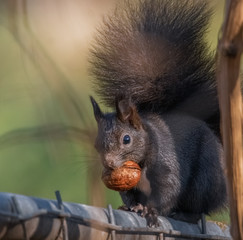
(110, 161)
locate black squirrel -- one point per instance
(151, 63)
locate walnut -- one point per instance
(123, 178)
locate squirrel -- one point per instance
(152, 65)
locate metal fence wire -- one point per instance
(23, 217)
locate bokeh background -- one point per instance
(47, 128)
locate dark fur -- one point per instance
(155, 52)
(151, 63)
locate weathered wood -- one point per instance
(228, 68)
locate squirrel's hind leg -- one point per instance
(186, 217)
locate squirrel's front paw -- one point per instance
(149, 213)
(152, 217)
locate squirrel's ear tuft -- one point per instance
(97, 112)
(127, 112)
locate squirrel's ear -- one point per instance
(97, 112)
(127, 112)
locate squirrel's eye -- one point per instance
(126, 139)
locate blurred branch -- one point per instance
(56, 73)
(54, 78)
(52, 75)
(230, 48)
(57, 132)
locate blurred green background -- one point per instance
(46, 125)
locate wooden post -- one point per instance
(228, 68)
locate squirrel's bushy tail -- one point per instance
(154, 51)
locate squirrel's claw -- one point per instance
(139, 208)
(124, 208)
